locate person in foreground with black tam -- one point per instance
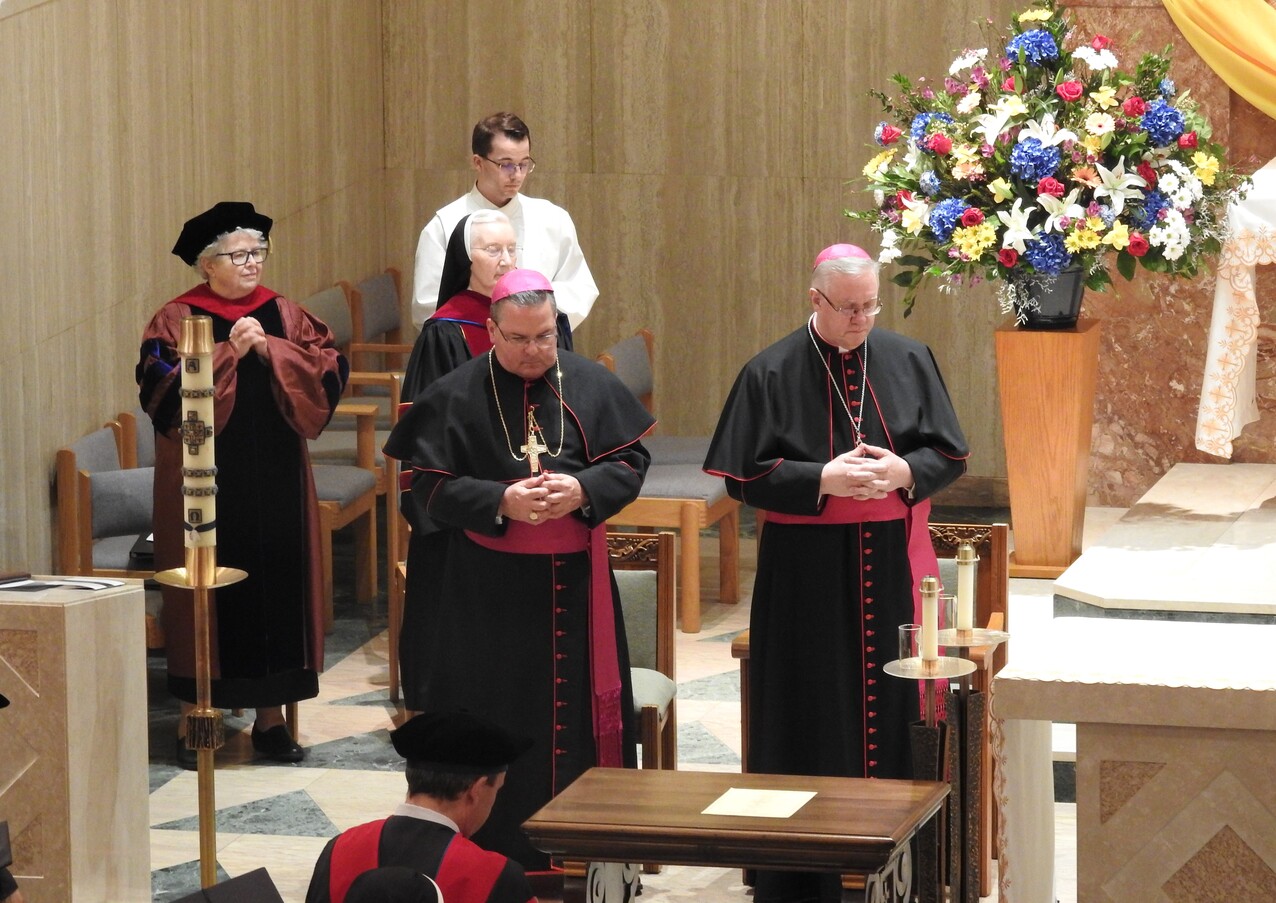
(394, 884)
(277, 377)
(456, 764)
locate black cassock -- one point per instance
(506, 635)
(831, 592)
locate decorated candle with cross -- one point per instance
(199, 470)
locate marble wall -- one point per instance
(1154, 329)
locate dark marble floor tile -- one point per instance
(294, 814)
(179, 881)
(716, 688)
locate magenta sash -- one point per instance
(569, 534)
(840, 510)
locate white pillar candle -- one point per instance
(199, 471)
(966, 559)
(930, 619)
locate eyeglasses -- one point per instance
(509, 170)
(522, 341)
(239, 258)
(497, 251)
(848, 311)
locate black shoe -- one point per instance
(277, 744)
(186, 758)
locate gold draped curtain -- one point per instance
(1237, 39)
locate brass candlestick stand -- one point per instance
(204, 730)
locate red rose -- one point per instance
(940, 143)
(1008, 84)
(890, 134)
(1100, 42)
(1134, 106)
(1147, 173)
(1008, 257)
(1051, 186)
(1070, 91)
(902, 197)
(972, 216)
(1187, 140)
(1138, 245)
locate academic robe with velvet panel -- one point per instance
(266, 631)
(508, 635)
(835, 578)
(420, 839)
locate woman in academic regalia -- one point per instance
(277, 378)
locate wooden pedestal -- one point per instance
(1047, 379)
(73, 744)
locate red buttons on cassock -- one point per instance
(870, 648)
(560, 752)
(559, 611)
(868, 567)
(558, 727)
(868, 535)
(560, 633)
(560, 680)
(560, 703)
(560, 655)
(868, 583)
(871, 681)
(868, 632)
(559, 586)
(869, 616)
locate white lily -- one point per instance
(990, 125)
(913, 217)
(1045, 131)
(1017, 229)
(1118, 185)
(1058, 208)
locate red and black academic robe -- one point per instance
(835, 578)
(267, 630)
(464, 872)
(507, 635)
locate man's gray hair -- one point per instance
(530, 298)
(843, 266)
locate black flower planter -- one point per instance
(1058, 300)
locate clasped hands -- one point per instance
(865, 472)
(248, 335)
(546, 496)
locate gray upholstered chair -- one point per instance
(677, 493)
(631, 360)
(102, 507)
(643, 566)
(376, 315)
(337, 446)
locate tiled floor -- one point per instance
(281, 816)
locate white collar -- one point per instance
(412, 810)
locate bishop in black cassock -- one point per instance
(524, 622)
(840, 436)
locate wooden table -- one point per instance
(632, 815)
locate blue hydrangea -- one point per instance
(1162, 122)
(1033, 161)
(944, 216)
(1106, 214)
(1047, 254)
(1145, 217)
(1037, 47)
(1166, 87)
(930, 182)
(922, 121)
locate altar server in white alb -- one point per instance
(547, 243)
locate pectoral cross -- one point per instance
(535, 446)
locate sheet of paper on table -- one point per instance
(759, 803)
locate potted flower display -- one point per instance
(1040, 163)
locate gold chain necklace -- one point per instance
(855, 424)
(562, 417)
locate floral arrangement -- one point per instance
(1042, 156)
